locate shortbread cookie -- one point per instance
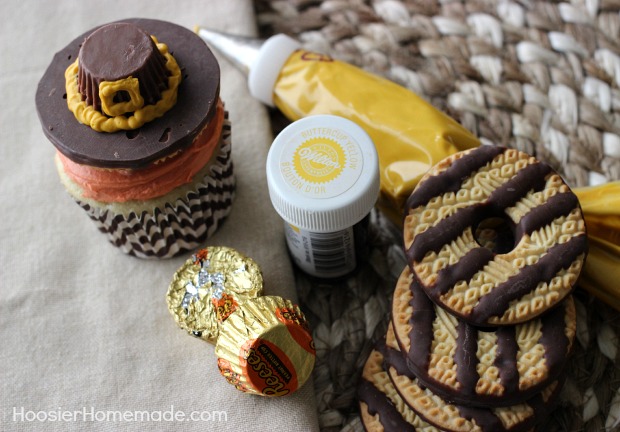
(474, 366)
(542, 246)
(460, 418)
(381, 407)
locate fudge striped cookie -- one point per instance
(462, 418)
(381, 407)
(480, 366)
(541, 245)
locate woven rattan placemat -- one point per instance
(542, 77)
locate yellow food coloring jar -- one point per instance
(323, 179)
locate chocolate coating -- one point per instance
(196, 102)
(485, 418)
(379, 403)
(554, 340)
(120, 50)
(531, 178)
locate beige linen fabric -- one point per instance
(84, 329)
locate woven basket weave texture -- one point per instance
(541, 77)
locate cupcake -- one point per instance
(142, 137)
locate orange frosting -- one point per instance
(120, 185)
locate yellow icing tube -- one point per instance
(410, 134)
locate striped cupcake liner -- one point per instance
(180, 226)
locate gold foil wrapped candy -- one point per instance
(265, 347)
(209, 287)
(263, 344)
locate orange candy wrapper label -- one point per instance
(297, 327)
(267, 368)
(265, 347)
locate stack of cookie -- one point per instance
(483, 320)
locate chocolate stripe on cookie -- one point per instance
(531, 177)
(439, 412)
(557, 258)
(473, 262)
(379, 403)
(421, 321)
(504, 196)
(444, 232)
(554, 339)
(556, 206)
(486, 420)
(506, 359)
(451, 179)
(381, 398)
(396, 359)
(465, 357)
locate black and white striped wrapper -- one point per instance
(178, 226)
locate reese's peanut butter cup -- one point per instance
(101, 67)
(265, 347)
(209, 287)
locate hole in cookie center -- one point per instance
(496, 234)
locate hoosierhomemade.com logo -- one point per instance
(91, 415)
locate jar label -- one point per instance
(325, 255)
(321, 162)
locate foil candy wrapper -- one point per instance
(263, 344)
(209, 287)
(265, 347)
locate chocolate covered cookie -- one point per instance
(494, 236)
(463, 418)
(480, 366)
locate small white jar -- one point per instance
(323, 179)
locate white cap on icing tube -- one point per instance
(267, 65)
(260, 59)
(323, 173)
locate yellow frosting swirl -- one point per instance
(86, 114)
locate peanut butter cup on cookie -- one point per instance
(142, 137)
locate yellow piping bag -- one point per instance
(409, 133)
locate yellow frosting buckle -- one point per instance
(115, 121)
(109, 89)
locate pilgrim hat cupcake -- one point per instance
(142, 137)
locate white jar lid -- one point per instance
(323, 173)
